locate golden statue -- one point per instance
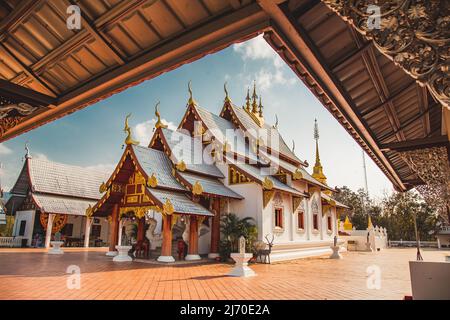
(158, 123)
(129, 140)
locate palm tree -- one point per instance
(232, 228)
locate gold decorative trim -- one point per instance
(152, 181)
(129, 139)
(267, 196)
(267, 184)
(158, 123)
(181, 166)
(197, 188)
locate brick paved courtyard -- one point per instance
(33, 274)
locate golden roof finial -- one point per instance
(260, 107)
(255, 97)
(191, 99)
(318, 170)
(227, 97)
(293, 145)
(129, 139)
(247, 99)
(158, 123)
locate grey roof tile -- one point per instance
(211, 186)
(62, 205)
(181, 203)
(156, 162)
(67, 180)
(189, 150)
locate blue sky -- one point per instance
(93, 137)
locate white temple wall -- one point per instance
(28, 217)
(279, 201)
(251, 206)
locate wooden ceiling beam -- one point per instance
(209, 37)
(416, 144)
(23, 94)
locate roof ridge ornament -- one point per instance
(159, 123)
(181, 166)
(275, 126)
(27, 150)
(197, 188)
(191, 98)
(152, 181)
(247, 100)
(129, 139)
(267, 183)
(227, 97)
(168, 208)
(254, 98)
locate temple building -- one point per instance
(50, 198)
(186, 179)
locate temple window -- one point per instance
(279, 218)
(329, 223)
(316, 221)
(300, 220)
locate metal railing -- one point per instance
(10, 242)
(403, 243)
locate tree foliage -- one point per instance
(395, 212)
(232, 228)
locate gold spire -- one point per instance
(369, 223)
(318, 170)
(191, 99)
(260, 107)
(129, 139)
(347, 224)
(158, 123)
(255, 97)
(247, 99)
(227, 97)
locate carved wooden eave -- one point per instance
(414, 34)
(432, 166)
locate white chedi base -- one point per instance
(241, 268)
(192, 257)
(111, 253)
(335, 254)
(122, 255)
(213, 255)
(165, 259)
(56, 247)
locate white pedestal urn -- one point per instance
(56, 247)
(241, 268)
(335, 254)
(122, 254)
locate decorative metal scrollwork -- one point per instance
(415, 34)
(432, 166)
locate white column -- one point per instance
(48, 232)
(119, 238)
(438, 242)
(87, 231)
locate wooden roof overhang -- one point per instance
(374, 99)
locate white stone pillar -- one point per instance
(48, 232)
(438, 242)
(119, 238)
(87, 231)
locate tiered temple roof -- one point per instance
(56, 188)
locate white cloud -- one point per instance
(4, 150)
(143, 131)
(39, 156)
(273, 73)
(254, 49)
